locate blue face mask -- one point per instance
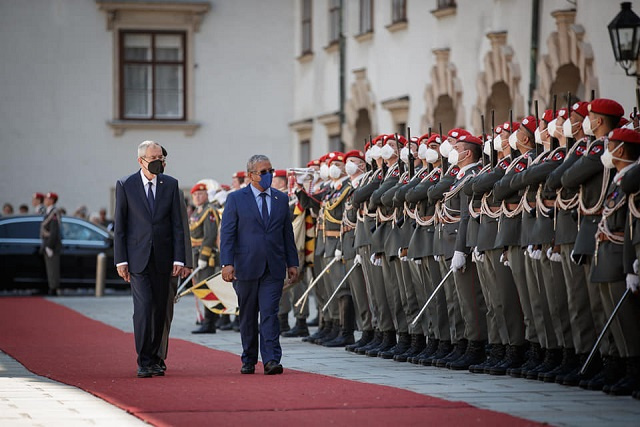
(265, 180)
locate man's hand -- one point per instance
(292, 273)
(633, 283)
(177, 269)
(228, 273)
(123, 271)
(186, 271)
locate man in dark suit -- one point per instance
(257, 251)
(148, 249)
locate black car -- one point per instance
(22, 265)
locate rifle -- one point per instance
(366, 164)
(539, 147)
(429, 165)
(514, 153)
(571, 140)
(494, 153)
(400, 164)
(443, 160)
(412, 168)
(635, 109)
(484, 141)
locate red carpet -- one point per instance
(203, 386)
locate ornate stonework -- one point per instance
(444, 81)
(360, 97)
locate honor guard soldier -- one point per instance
(51, 237)
(203, 227)
(237, 180)
(37, 201)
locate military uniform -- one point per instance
(51, 237)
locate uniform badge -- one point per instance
(454, 171)
(596, 149)
(580, 150)
(395, 173)
(405, 180)
(504, 165)
(611, 203)
(520, 167)
(380, 175)
(558, 156)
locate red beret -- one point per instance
(367, 146)
(424, 138)
(225, 187)
(401, 139)
(379, 138)
(51, 195)
(506, 126)
(457, 133)
(323, 158)
(336, 156)
(434, 138)
(622, 122)
(629, 136)
(354, 153)
(581, 108)
(38, 195)
(530, 124)
(608, 107)
(198, 187)
(498, 130)
(315, 162)
(562, 113)
(280, 173)
(471, 139)
(239, 174)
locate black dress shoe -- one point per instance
(144, 372)
(157, 371)
(272, 368)
(162, 365)
(247, 368)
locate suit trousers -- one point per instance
(392, 291)
(150, 291)
(456, 322)
(624, 327)
(486, 279)
(553, 278)
(506, 301)
(582, 325)
(259, 297)
(358, 288)
(52, 264)
(437, 307)
(539, 303)
(164, 343)
(472, 304)
(516, 262)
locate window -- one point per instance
(366, 16)
(444, 4)
(305, 152)
(306, 26)
(334, 21)
(20, 230)
(75, 231)
(152, 66)
(399, 11)
(335, 144)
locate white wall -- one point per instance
(56, 99)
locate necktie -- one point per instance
(150, 197)
(265, 209)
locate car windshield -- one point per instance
(76, 231)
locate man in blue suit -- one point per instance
(257, 252)
(148, 249)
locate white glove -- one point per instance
(504, 259)
(202, 264)
(458, 261)
(635, 267)
(529, 251)
(399, 252)
(357, 259)
(376, 261)
(536, 254)
(337, 254)
(48, 251)
(436, 258)
(633, 282)
(404, 259)
(553, 256)
(479, 255)
(418, 261)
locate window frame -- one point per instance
(334, 21)
(122, 62)
(306, 25)
(361, 28)
(395, 4)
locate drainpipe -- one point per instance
(535, 36)
(341, 41)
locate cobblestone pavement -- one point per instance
(534, 400)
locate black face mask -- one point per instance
(155, 167)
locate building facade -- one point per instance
(422, 63)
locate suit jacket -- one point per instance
(250, 245)
(138, 230)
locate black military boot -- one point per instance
(612, 371)
(300, 329)
(374, 343)
(495, 356)
(365, 338)
(223, 320)
(444, 348)
(568, 364)
(388, 342)
(283, 318)
(403, 344)
(574, 377)
(324, 328)
(418, 343)
(332, 334)
(475, 354)
(429, 349)
(348, 321)
(514, 358)
(534, 358)
(628, 383)
(552, 359)
(208, 324)
(459, 349)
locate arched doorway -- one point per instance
(363, 129)
(499, 101)
(443, 96)
(444, 114)
(567, 80)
